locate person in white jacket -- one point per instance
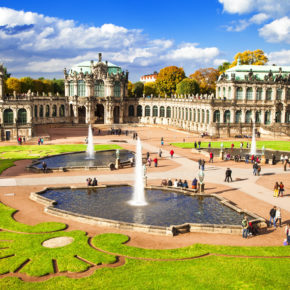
(278, 216)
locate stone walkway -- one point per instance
(243, 179)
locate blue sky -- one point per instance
(40, 38)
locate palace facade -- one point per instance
(96, 92)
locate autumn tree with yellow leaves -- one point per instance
(256, 57)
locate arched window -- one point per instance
(269, 94)
(162, 111)
(194, 115)
(278, 117)
(207, 116)
(71, 89)
(198, 115)
(131, 111)
(8, 116)
(248, 117)
(230, 93)
(258, 117)
(22, 117)
(239, 95)
(190, 114)
(54, 110)
(202, 116)
(117, 90)
(216, 116)
(259, 94)
(287, 117)
(155, 111)
(99, 90)
(47, 111)
(279, 94)
(35, 111)
(224, 92)
(168, 112)
(249, 94)
(219, 92)
(238, 117)
(139, 111)
(41, 111)
(61, 111)
(227, 116)
(81, 88)
(267, 117)
(147, 111)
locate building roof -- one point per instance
(85, 66)
(259, 71)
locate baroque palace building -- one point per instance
(97, 93)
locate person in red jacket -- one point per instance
(171, 153)
(155, 160)
(211, 157)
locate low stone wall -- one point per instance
(172, 230)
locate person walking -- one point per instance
(282, 158)
(228, 175)
(281, 189)
(44, 167)
(278, 216)
(162, 141)
(202, 164)
(287, 232)
(199, 143)
(245, 225)
(276, 189)
(285, 164)
(160, 153)
(155, 160)
(171, 153)
(147, 155)
(273, 217)
(255, 168)
(149, 161)
(195, 145)
(210, 157)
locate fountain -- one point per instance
(253, 144)
(90, 147)
(138, 198)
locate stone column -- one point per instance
(262, 116)
(243, 116)
(284, 94)
(232, 119)
(244, 92)
(274, 88)
(255, 93)
(66, 88)
(75, 88)
(234, 92)
(264, 89)
(29, 115)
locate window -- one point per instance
(117, 90)
(139, 111)
(239, 95)
(258, 117)
(168, 112)
(278, 117)
(99, 90)
(259, 94)
(35, 111)
(279, 94)
(216, 116)
(249, 94)
(147, 111)
(81, 89)
(71, 89)
(194, 115)
(224, 92)
(22, 117)
(202, 116)
(238, 117)
(190, 114)
(8, 117)
(61, 111)
(47, 111)
(227, 116)
(207, 116)
(54, 110)
(155, 111)
(162, 111)
(269, 94)
(267, 117)
(198, 115)
(131, 111)
(229, 93)
(248, 117)
(41, 111)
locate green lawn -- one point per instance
(208, 272)
(274, 145)
(10, 154)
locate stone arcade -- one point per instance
(97, 93)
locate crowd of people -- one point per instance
(21, 140)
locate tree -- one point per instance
(26, 84)
(223, 67)
(206, 78)
(13, 84)
(168, 78)
(48, 86)
(256, 57)
(130, 90)
(138, 89)
(37, 86)
(58, 86)
(150, 88)
(187, 87)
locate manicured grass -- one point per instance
(8, 223)
(10, 154)
(273, 145)
(25, 246)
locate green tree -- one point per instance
(223, 67)
(256, 57)
(168, 78)
(37, 86)
(58, 86)
(130, 90)
(150, 88)
(26, 84)
(13, 84)
(206, 78)
(187, 87)
(138, 89)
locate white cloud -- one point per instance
(279, 57)
(259, 18)
(237, 6)
(238, 26)
(219, 61)
(277, 31)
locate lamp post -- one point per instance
(201, 179)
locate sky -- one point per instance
(41, 38)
